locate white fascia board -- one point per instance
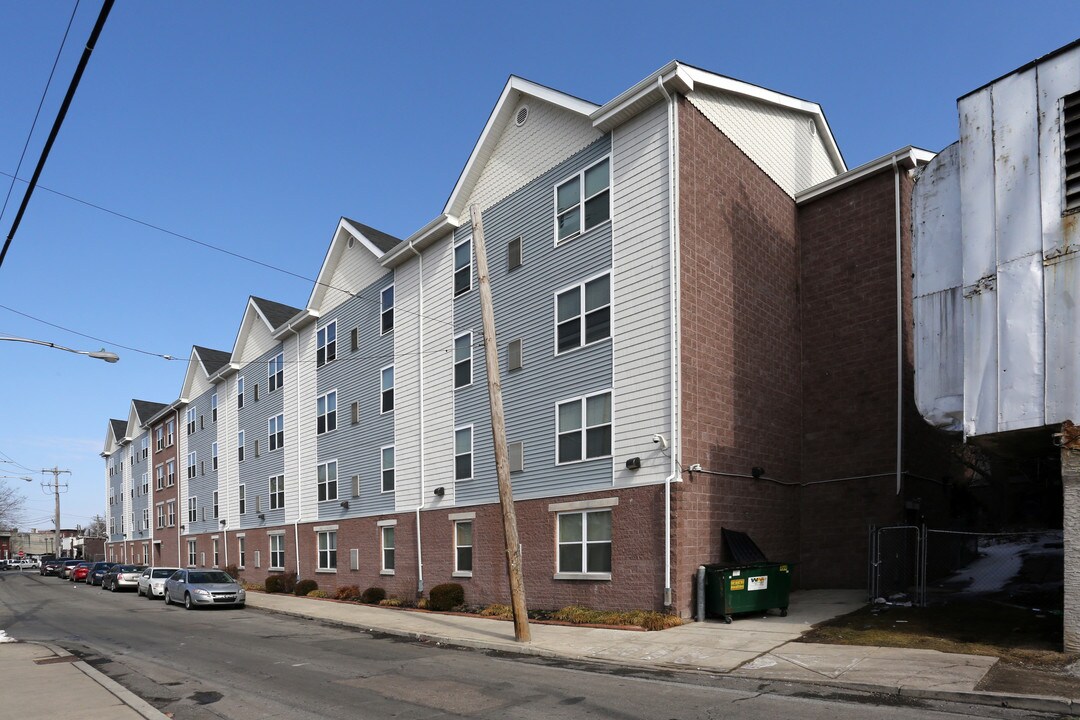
(189, 375)
(515, 88)
(423, 237)
(227, 369)
(299, 320)
(342, 232)
(641, 95)
(245, 329)
(907, 157)
(167, 410)
(110, 440)
(359, 235)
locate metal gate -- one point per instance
(896, 563)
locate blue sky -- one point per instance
(255, 126)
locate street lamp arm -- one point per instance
(103, 354)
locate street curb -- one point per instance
(1035, 703)
(121, 693)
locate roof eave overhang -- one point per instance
(908, 157)
(297, 321)
(644, 94)
(170, 408)
(421, 239)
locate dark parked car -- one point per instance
(122, 577)
(97, 571)
(52, 567)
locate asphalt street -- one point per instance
(240, 664)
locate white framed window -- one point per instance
(583, 201)
(159, 438)
(213, 455)
(191, 464)
(170, 509)
(386, 393)
(463, 267)
(583, 426)
(217, 558)
(170, 433)
(192, 509)
(513, 253)
(192, 555)
(275, 432)
(277, 492)
(387, 549)
(275, 369)
(145, 483)
(328, 550)
(583, 314)
(213, 408)
(170, 473)
(463, 453)
(241, 551)
(241, 499)
(327, 480)
(463, 360)
(387, 313)
(277, 552)
(192, 416)
(145, 519)
(161, 515)
(584, 540)
(387, 468)
(463, 547)
(239, 393)
(159, 474)
(144, 446)
(326, 344)
(240, 446)
(326, 413)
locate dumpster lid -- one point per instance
(741, 548)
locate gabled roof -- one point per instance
(212, 360)
(375, 241)
(113, 433)
(378, 238)
(119, 427)
(145, 410)
(274, 313)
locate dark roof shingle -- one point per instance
(146, 409)
(275, 313)
(212, 360)
(378, 238)
(119, 428)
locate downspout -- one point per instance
(672, 258)
(299, 508)
(899, 337)
(180, 509)
(420, 353)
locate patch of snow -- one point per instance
(4, 638)
(759, 663)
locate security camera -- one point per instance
(661, 441)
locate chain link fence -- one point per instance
(895, 567)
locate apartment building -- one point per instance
(689, 289)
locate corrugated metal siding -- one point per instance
(641, 400)
(524, 308)
(356, 378)
(779, 140)
(549, 136)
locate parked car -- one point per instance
(97, 571)
(80, 571)
(52, 567)
(197, 588)
(152, 581)
(66, 568)
(122, 577)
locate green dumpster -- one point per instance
(750, 587)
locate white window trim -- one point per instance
(598, 504)
(583, 399)
(454, 269)
(271, 435)
(241, 398)
(584, 542)
(325, 397)
(461, 516)
(386, 523)
(580, 175)
(318, 552)
(241, 444)
(382, 390)
(383, 570)
(270, 551)
(383, 469)
(581, 336)
(270, 493)
(456, 361)
(456, 572)
(317, 330)
(271, 374)
(472, 453)
(337, 485)
(383, 310)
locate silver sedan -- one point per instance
(152, 581)
(196, 588)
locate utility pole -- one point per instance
(55, 487)
(498, 433)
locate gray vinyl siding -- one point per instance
(141, 501)
(205, 482)
(116, 490)
(524, 309)
(255, 471)
(357, 377)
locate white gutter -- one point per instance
(899, 337)
(420, 356)
(672, 272)
(299, 507)
(179, 508)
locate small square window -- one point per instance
(513, 355)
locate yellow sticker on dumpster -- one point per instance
(739, 584)
(761, 582)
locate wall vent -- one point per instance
(522, 115)
(1070, 144)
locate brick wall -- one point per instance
(740, 345)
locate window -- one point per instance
(170, 507)
(387, 309)
(145, 519)
(277, 552)
(328, 550)
(327, 476)
(388, 549)
(585, 542)
(217, 559)
(326, 413)
(277, 492)
(242, 499)
(355, 413)
(146, 483)
(463, 453)
(387, 396)
(240, 446)
(239, 393)
(276, 432)
(255, 392)
(192, 556)
(589, 189)
(241, 551)
(463, 267)
(170, 473)
(161, 516)
(159, 437)
(583, 314)
(144, 446)
(463, 360)
(159, 473)
(584, 428)
(354, 341)
(463, 544)
(1070, 143)
(513, 253)
(326, 344)
(192, 414)
(276, 370)
(256, 447)
(516, 453)
(513, 355)
(170, 433)
(213, 407)
(388, 469)
(213, 456)
(191, 465)
(192, 509)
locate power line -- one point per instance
(37, 114)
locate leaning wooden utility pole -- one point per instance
(498, 434)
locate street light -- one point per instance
(12, 477)
(102, 354)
